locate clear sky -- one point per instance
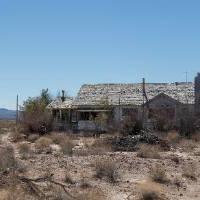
(61, 44)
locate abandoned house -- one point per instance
(143, 100)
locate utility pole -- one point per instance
(17, 110)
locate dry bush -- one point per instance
(33, 137)
(178, 182)
(67, 146)
(196, 137)
(187, 145)
(8, 124)
(84, 184)
(24, 150)
(158, 174)
(68, 179)
(107, 169)
(175, 159)
(58, 138)
(43, 144)
(92, 194)
(173, 137)
(97, 147)
(150, 191)
(16, 136)
(190, 171)
(7, 158)
(148, 151)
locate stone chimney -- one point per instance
(197, 93)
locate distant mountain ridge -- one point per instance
(7, 114)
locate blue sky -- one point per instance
(61, 44)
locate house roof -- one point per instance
(132, 94)
(59, 104)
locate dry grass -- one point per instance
(190, 171)
(7, 158)
(150, 191)
(57, 138)
(16, 136)
(95, 147)
(196, 137)
(158, 174)
(9, 124)
(187, 145)
(33, 137)
(107, 169)
(67, 146)
(43, 144)
(148, 151)
(92, 194)
(68, 178)
(178, 182)
(24, 150)
(173, 137)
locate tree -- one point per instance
(36, 118)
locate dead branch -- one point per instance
(31, 183)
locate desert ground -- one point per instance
(73, 166)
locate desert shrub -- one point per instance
(67, 146)
(36, 118)
(84, 184)
(150, 191)
(92, 194)
(190, 171)
(187, 123)
(7, 158)
(68, 178)
(16, 136)
(187, 145)
(107, 169)
(58, 138)
(148, 151)
(175, 159)
(33, 137)
(158, 174)
(43, 144)
(131, 125)
(178, 182)
(24, 150)
(196, 137)
(173, 137)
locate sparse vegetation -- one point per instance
(24, 150)
(148, 151)
(16, 136)
(190, 171)
(36, 119)
(33, 137)
(107, 169)
(150, 191)
(43, 144)
(158, 174)
(92, 194)
(67, 146)
(68, 178)
(7, 158)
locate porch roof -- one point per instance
(59, 104)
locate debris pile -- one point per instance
(130, 143)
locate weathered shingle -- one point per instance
(132, 94)
(59, 104)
